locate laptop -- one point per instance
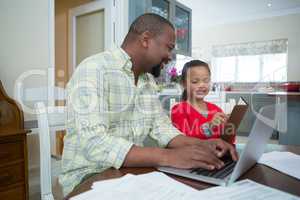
(237, 114)
(257, 140)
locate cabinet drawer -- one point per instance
(11, 174)
(17, 193)
(11, 151)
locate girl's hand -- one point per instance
(218, 118)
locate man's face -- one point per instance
(159, 51)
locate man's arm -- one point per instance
(88, 121)
(181, 152)
(192, 156)
(218, 146)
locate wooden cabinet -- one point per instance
(13, 150)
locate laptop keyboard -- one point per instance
(217, 173)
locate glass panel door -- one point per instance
(161, 7)
(182, 24)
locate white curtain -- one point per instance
(251, 48)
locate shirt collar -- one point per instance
(123, 59)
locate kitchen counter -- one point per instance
(245, 92)
(284, 93)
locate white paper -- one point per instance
(158, 186)
(285, 162)
(108, 184)
(158, 178)
(245, 190)
(151, 186)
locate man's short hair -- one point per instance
(149, 22)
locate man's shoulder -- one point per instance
(104, 61)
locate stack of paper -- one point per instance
(158, 186)
(151, 186)
(245, 190)
(285, 162)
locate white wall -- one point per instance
(258, 30)
(26, 40)
(26, 37)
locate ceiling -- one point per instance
(214, 12)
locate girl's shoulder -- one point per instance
(213, 107)
(181, 104)
(180, 107)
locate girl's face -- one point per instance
(197, 82)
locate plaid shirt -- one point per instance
(107, 114)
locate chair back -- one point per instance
(50, 120)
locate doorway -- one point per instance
(82, 28)
(90, 30)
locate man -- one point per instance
(113, 107)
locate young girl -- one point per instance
(193, 116)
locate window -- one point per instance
(257, 68)
(274, 67)
(180, 61)
(250, 62)
(220, 75)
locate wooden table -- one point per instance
(258, 173)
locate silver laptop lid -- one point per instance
(258, 138)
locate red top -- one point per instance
(192, 123)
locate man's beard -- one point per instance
(156, 70)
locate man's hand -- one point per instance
(217, 146)
(220, 147)
(218, 118)
(192, 156)
(182, 152)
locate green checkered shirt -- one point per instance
(107, 114)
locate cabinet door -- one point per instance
(258, 102)
(137, 8)
(177, 13)
(291, 135)
(182, 21)
(161, 7)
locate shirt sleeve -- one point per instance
(88, 117)
(162, 130)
